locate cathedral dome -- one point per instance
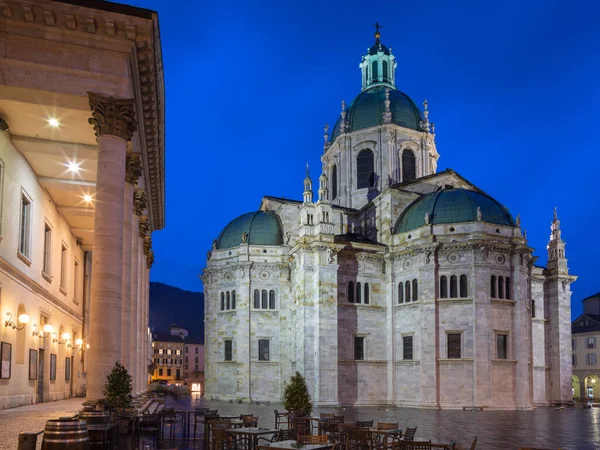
(452, 206)
(367, 111)
(261, 228)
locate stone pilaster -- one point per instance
(114, 125)
(139, 204)
(132, 174)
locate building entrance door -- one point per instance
(40, 378)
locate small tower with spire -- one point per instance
(323, 191)
(378, 66)
(556, 248)
(308, 192)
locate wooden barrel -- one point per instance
(95, 417)
(66, 434)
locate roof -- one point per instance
(255, 228)
(586, 323)
(379, 48)
(367, 109)
(452, 206)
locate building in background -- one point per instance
(400, 285)
(81, 190)
(168, 357)
(194, 364)
(585, 340)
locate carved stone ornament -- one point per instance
(133, 168)
(139, 203)
(149, 259)
(244, 237)
(330, 256)
(144, 227)
(208, 255)
(147, 245)
(112, 116)
(427, 257)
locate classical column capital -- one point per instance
(144, 226)
(147, 244)
(139, 203)
(112, 116)
(133, 168)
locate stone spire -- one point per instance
(326, 144)
(425, 125)
(556, 247)
(308, 193)
(323, 191)
(343, 123)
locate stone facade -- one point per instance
(440, 314)
(81, 191)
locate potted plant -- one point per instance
(296, 400)
(117, 390)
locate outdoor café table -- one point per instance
(252, 432)
(197, 412)
(293, 445)
(233, 423)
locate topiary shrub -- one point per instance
(295, 396)
(117, 390)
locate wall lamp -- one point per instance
(42, 333)
(23, 319)
(64, 338)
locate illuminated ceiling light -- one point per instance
(87, 198)
(73, 167)
(23, 318)
(54, 123)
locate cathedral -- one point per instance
(397, 285)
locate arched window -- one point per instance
(334, 182)
(453, 287)
(375, 70)
(264, 299)
(464, 292)
(500, 287)
(366, 293)
(351, 292)
(256, 299)
(271, 299)
(415, 290)
(365, 169)
(366, 74)
(409, 167)
(384, 69)
(358, 293)
(222, 301)
(401, 292)
(232, 299)
(228, 300)
(407, 291)
(507, 290)
(444, 287)
(493, 286)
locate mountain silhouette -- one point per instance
(170, 305)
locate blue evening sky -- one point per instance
(513, 88)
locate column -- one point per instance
(144, 327)
(114, 125)
(137, 229)
(133, 170)
(144, 229)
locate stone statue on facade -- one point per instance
(426, 218)
(244, 237)
(518, 220)
(288, 236)
(478, 213)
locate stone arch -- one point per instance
(575, 383)
(592, 387)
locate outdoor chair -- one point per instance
(392, 437)
(221, 440)
(171, 418)
(364, 423)
(210, 426)
(302, 426)
(249, 420)
(200, 415)
(409, 434)
(414, 445)
(280, 418)
(359, 439)
(475, 443)
(332, 428)
(306, 439)
(149, 424)
(282, 435)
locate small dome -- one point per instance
(452, 206)
(262, 228)
(379, 48)
(367, 111)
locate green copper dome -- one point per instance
(367, 111)
(262, 228)
(452, 206)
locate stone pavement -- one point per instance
(571, 429)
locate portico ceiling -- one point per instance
(63, 157)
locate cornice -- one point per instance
(37, 289)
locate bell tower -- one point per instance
(378, 66)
